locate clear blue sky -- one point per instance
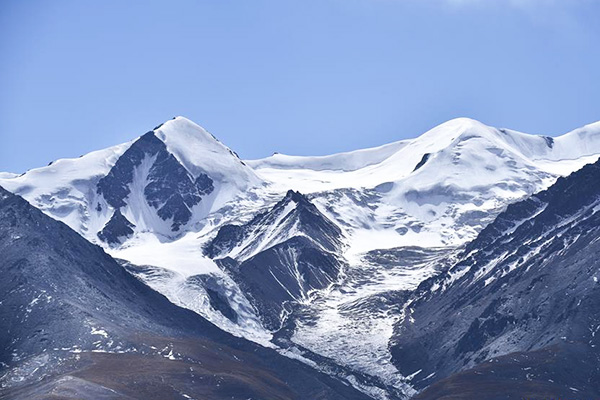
(297, 77)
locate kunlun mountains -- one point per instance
(459, 264)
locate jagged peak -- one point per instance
(292, 216)
(295, 196)
(298, 203)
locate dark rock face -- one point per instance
(172, 191)
(56, 287)
(278, 277)
(527, 283)
(422, 162)
(62, 297)
(169, 188)
(227, 238)
(115, 186)
(278, 274)
(116, 229)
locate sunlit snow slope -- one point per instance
(438, 189)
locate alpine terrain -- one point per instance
(460, 262)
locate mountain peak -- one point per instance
(465, 122)
(168, 169)
(295, 196)
(183, 128)
(456, 128)
(201, 152)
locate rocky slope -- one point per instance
(528, 286)
(75, 324)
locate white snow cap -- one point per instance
(461, 137)
(201, 152)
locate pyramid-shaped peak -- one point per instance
(201, 152)
(295, 196)
(181, 128)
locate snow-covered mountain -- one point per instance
(167, 179)
(281, 256)
(438, 189)
(290, 250)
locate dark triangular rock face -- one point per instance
(276, 275)
(529, 282)
(281, 276)
(117, 229)
(302, 217)
(168, 187)
(115, 186)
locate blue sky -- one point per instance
(297, 77)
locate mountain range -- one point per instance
(444, 265)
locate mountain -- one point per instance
(521, 305)
(281, 255)
(167, 179)
(292, 251)
(75, 324)
(439, 189)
